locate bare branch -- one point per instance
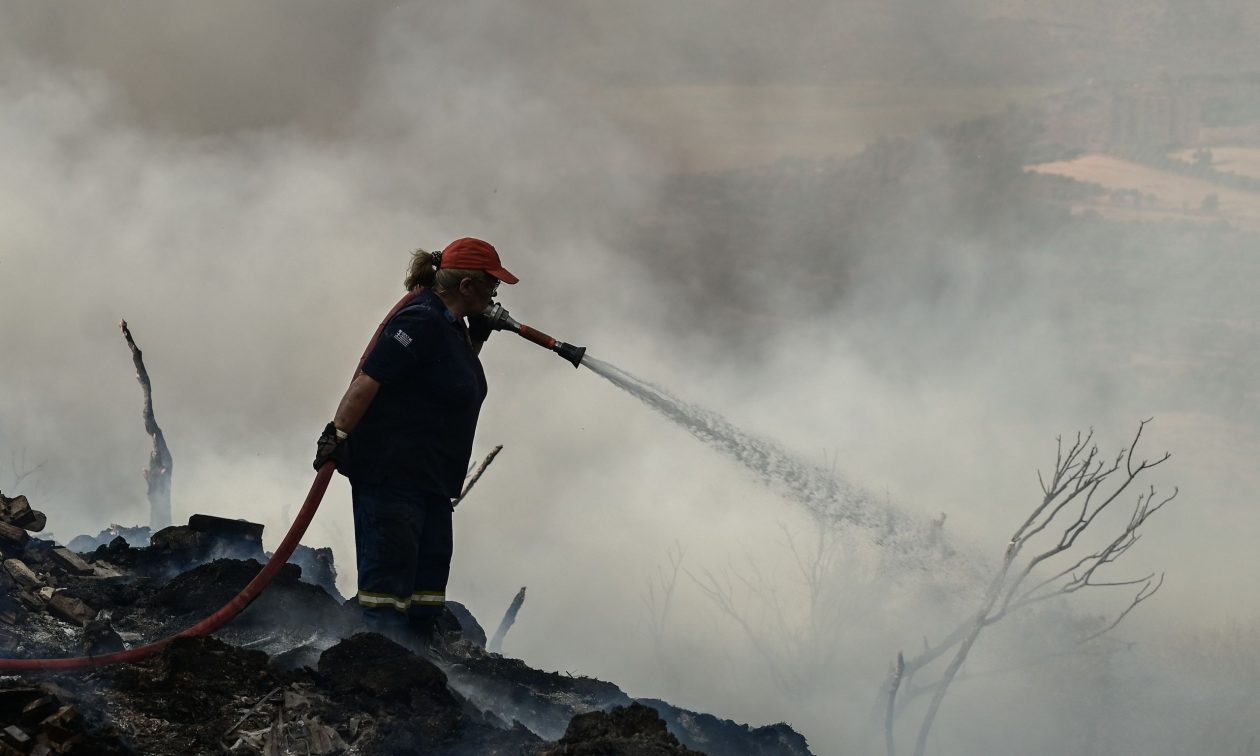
(659, 608)
(894, 684)
(476, 476)
(253, 710)
(1146, 592)
(722, 594)
(20, 471)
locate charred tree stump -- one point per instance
(496, 643)
(158, 474)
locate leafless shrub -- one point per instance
(21, 470)
(1046, 558)
(798, 643)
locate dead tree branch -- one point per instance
(158, 474)
(660, 595)
(20, 469)
(252, 711)
(795, 642)
(476, 474)
(894, 685)
(1081, 488)
(722, 592)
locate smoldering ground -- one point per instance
(243, 183)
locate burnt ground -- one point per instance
(294, 673)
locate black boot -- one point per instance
(428, 638)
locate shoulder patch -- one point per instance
(402, 338)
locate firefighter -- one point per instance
(403, 435)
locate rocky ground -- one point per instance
(293, 674)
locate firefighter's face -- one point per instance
(479, 291)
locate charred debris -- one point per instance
(293, 674)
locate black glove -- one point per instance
(330, 447)
(478, 328)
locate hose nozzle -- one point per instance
(500, 320)
(571, 353)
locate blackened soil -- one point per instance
(542, 701)
(633, 730)
(378, 697)
(287, 602)
(408, 698)
(362, 694)
(373, 667)
(196, 685)
(729, 738)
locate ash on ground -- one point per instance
(294, 673)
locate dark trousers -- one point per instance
(403, 548)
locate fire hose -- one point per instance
(500, 320)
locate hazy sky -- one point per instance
(243, 183)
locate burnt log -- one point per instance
(187, 546)
(16, 739)
(70, 561)
(17, 511)
(70, 609)
(12, 538)
(63, 728)
(22, 574)
(178, 538)
(222, 527)
(39, 709)
(36, 521)
(105, 570)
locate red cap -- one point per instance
(474, 254)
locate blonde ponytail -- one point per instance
(421, 271)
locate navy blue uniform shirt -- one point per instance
(418, 431)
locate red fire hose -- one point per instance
(247, 594)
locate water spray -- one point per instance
(911, 542)
(500, 320)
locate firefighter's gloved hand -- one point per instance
(331, 446)
(478, 328)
